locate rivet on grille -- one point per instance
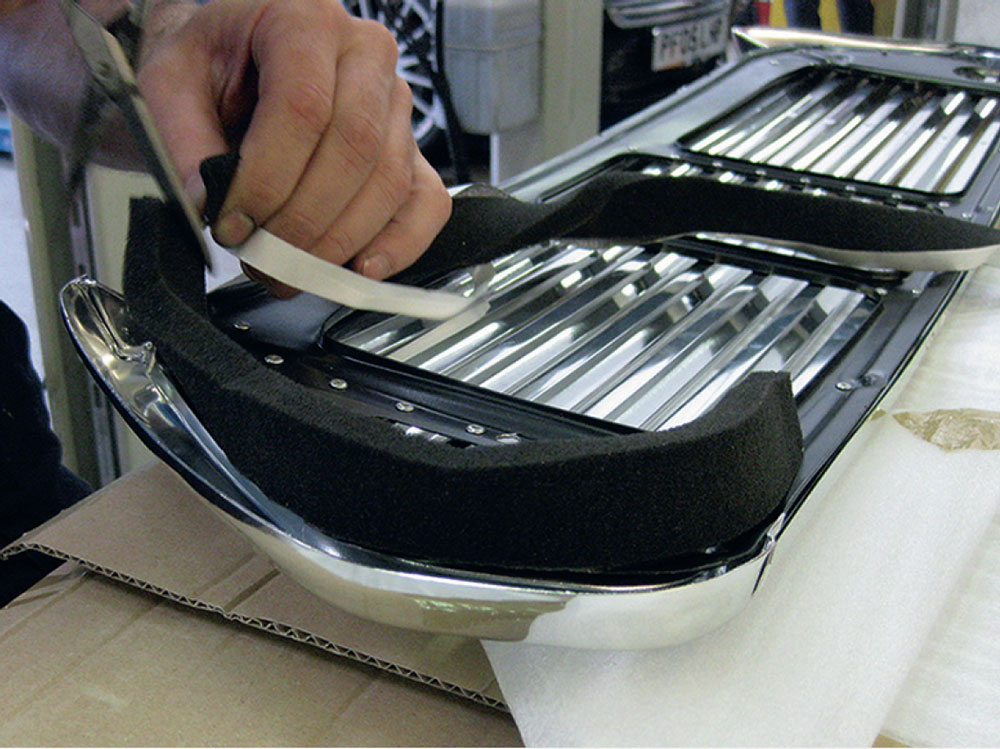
(845, 386)
(338, 384)
(404, 407)
(274, 359)
(241, 326)
(509, 438)
(475, 429)
(871, 379)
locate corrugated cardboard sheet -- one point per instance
(91, 662)
(151, 531)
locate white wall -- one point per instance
(978, 22)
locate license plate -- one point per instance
(685, 43)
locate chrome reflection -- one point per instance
(867, 128)
(643, 335)
(387, 589)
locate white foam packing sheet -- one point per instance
(857, 583)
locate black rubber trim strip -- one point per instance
(579, 505)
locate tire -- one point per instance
(418, 21)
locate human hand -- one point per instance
(310, 96)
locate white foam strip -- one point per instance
(297, 268)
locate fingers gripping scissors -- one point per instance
(113, 82)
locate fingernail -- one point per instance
(233, 229)
(195, 189)
(376, 267)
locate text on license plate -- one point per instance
(683, 44)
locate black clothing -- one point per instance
(34, 485)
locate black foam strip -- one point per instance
(487, 223)
(565, 505)
(635, 206)
(217, 173)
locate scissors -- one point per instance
(113, 82)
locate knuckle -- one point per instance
(363, 138)
(337, 246)
(404, 94)
(388, 47)
(298, 226)
(260, 199)
(436, 203)
(310, 105)
(379, 42)
(395, 183)
(297, 12)
(440, 206)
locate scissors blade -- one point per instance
(89, 130)
(113, 74)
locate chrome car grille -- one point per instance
(651, 335)
(648, 336)
(866, 128)
(585, 338)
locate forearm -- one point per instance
(43, 75)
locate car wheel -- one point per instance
(415, 26)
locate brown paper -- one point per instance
(954, 428)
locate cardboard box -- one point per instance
(91, 661)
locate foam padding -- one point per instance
(580, 505)
(488, 223)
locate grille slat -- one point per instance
(736, 127)
(826, 128)
(759, 131)
(829, 336)
(892, 133)
(939, 152)
(605, 349)
(800, 127)
(548, 322)
(960, 168)
(760, 335)
(645, 335)
(867, 138)
(681, 330)
(516, 306)
(561, 330)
